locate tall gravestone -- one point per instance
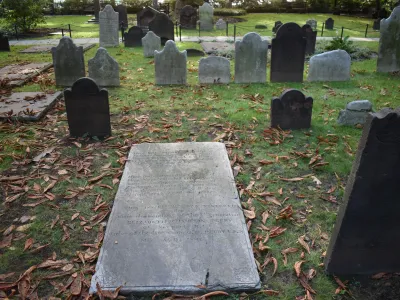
(214, 69)
(122, 15)
(151, 42)
(109, 27)
(188, 17)
(96, 7)
(288, 54)
(366, 238)
(389, 46)
(311, 37)
(329, 23)
(276, 26)
(133, 38)
(88, 111)
(4, 43)
(104, 69)
(68, 62)
(292, 110)
(170, 65)
(206, 15)
(377, 24)
(251, 59)
(145, 16)
(163, 27)
(330, 66)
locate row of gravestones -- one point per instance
(188, 18)
(329, 23)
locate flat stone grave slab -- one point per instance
(20, 74)
(177, 225)
(27, 106)
(47, 48)
(218, 48)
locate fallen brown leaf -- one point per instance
(297, 267)
(303, 243)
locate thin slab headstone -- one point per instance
(329, 23)
(276, 26)
(133, 38)
(68, 62)
(366, 237)
(214, 69)
(251, 59)
(330, 66)
(220, 25)
(206, 17)
(151, 42)
(188, 17)
(292, 110)
(177, 218)
(377, 24)
(145, 16)
(104, 69)
(311, 37)
(4, 43)
(163, 27)
(122, 15)
(313, 23)
(356, 112)
(88, 111)
(96, 9)
(109, 27)
(170, 65)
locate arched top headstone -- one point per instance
(150, 35)
(104, 69)
(67, 44)
(84, 85)
(188, 10)
(150, 43)
(170, 48)
(163, 26)
(306, 28)
(291, 95)
(252, 38)
(135, 30)
(393, 18)
(109, 10)
(289, 30)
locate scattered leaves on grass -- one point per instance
(304, 243)
(297, 267)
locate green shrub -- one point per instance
(358, 53)
(228, 12)
(341, 43)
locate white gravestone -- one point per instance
(330, 66)
(220, 25)
(109, 27)
(214, 69)
(150, 43)
(170, 65)
(104, 69)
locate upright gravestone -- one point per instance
(68, 62)
(206, 15)
(104, 69)
(220, 25)
(329, 23)
(292, 110)
(96, 9)
(251, 59)
(389, 46)
(133, 38)
(122, 15)
(88, 111)
(151, 42)
(4, 43)
(366, 238)
(276, 26)
(188, 17)
(162, 26)
(145, 16)
(170, 65)
(109, 28)
(288, 54)
(179, 4)
(313, 24)
(311, 37)
(214, 69)
(330, 66)
(377, 24)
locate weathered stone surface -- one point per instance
(96, 9)
(389, 46)
(109, 27)
(359, 105)
(17, 75)
(330, 66)
(377, 24)
(104, 69)
(206, 15)
(313, 24)
(68, 62)
(122, 15)
(176, 218)
(251, 59)
(220, 25)
(87, 109)
(276, 26)
(162, 26)
(311, 37)
(218, 48)
(292, 110)
(145, 16)
(151, 42)
(366, 238)
(4, 44)
(214, 69)
(170, 65)
(329, 23)
(47, 48)
(133, 38)
(356, 112)
(188, 17)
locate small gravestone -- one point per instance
(163, 27)
(109, 27)
(206, 16)
(151, 42)
(122, 15)
(88, 111)
(188, 17)
(356, 112)
(260, 26)
(170, 65)
(214, 69)
(329, 23)
(251, 59)
(177, 218)
(19, 74)
(4, 44)
(313, 24)
(292, 110)
(220, 25)
(366, 237)
(389, 46)
(311, 37)
(377, 24)
(330, 66)
(47, 48)
(276, 26)
(288, 54)
(133, 38)
(104, 69)
(68, 62)
(145, 16)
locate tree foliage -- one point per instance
(25, 14)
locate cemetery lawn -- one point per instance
(293, 181)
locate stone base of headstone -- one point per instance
(47, 48)
(356, 112)
(18, 75)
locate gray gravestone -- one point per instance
(329, 23)
(206, 15)
(163, 27)
(214, 69)
(109, 28)
(177, 218)
(251, 59)
(133, 38)
(170, 65)
(389, 46)
(68, 62)
(330, 66)
(356, 112)
(220, 25)
(366, 238)
(313, 24)
(188, 17)
(311, 37)
(104, 69)
(122, 15)
(151, 42)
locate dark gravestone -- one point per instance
(4, 44)
(163, 27)
(87, 109)
(261, 26)
(145, 16)
(292, 110)
(377, 24)
(329, 24)
(96, 9)
(311, 37)
(133, 38)
(366, 238)
(288, 54)
(123, 15)
(276, 27)
(188, 17)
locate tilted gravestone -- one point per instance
(145, 16)
(356, 112)
(170, 65)
(389, 46)
(133, 38)
(206, 15)
(311, 37)
(292, 110)
(188, 17)
(288, 54)
(88, 111)
(151, 42)
(220, 24)
(214, 69)
(330, 66)
(163, 27)
(122, 15)
(313, 23)
(109, 27)
(4, 43)
(276, 26)
(329, 23)
(251, 59)
(104, 69)
(366, 238)
(68, 62)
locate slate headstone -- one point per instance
(163, 27)
(96, 9)
(292, 110)
(145, 16)
(122, 15)
(329, 23)
(88, 111)
(214, 69)
(4, 44)
(68, 62)
(220, 25)
(288, 54)
(133, 38)
(311, 37)
(330, 66)
(313, 23)
(188, 17)
(170, 65)
(377, 24)
(104, 69)
(151, 42)
(356, 112)
(276, 26)
(206, 16)
(366, 237)
(251, 59)
(109, 27)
